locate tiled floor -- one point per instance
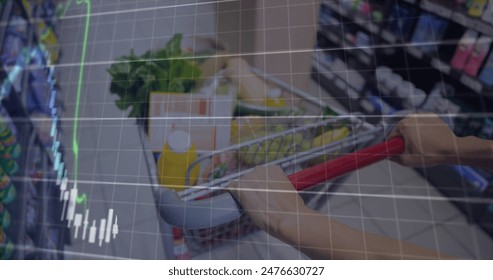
(386, 198)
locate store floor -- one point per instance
(113, 174)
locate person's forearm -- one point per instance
(475, 152)
(320, 237)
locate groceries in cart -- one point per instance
(211, 116)
(194, 132)
(177, 155)
(255, 97)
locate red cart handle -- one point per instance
(351, 162)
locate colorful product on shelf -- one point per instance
(49, 41)
(438, 102)
(15, 38)
(428, 33)
(4, 217)
(476, 7)
(473, 176)
(4, 180)
(39, 91)
(478, 55)
(362, 40)
(9, 150)
(381, 106)
(10, 166)
(486, 75)
(7, 189)
(464, 49)
(6, 246)
(8, 195)
(326, 16)
(401, 21)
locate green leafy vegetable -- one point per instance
(165, 70)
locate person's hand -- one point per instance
(268, 197)
(429, 141)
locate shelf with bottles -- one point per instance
(343, 83)
(27, 69)
(24, 32)
(13, 174)
(33, 48)
(14, 41)
(36, 230)
(477, 14)
(42, 20)
(367, 15)
(422, 55)
(445, 68)
(442, 44)
(473, 14)
(346, 36)
(345, 45)
(336, 70)
(31, 200)
(399, 31)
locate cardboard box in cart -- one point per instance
(205, 116)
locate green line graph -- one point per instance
(75, 145)
(81, 199)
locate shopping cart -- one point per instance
(207, 213)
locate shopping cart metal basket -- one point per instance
(207, 213)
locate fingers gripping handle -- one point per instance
(331, 169)
(224, 208)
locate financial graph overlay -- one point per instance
(80, 221)
(352, 63)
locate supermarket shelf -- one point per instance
(441, 66)
(362, 54)
(50, 232)
(17, 208)
(29, 141)
(457, 16)
(436, 8)
(352, 17)
(32, 41)
(336, 76)
(445, 68)
(345, 94)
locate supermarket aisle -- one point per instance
(113, 175)
(111, 167)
